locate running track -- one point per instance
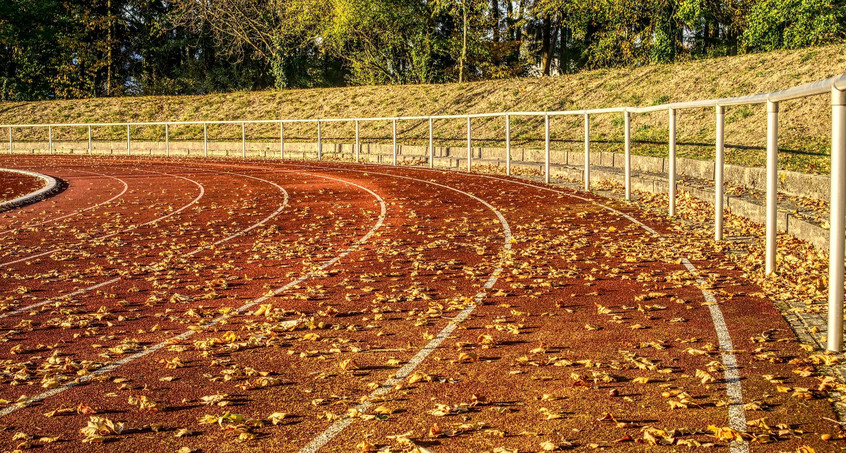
(367, 302)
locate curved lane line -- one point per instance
(125, 188)
(132, 228)
(189, 254)
(731, 375)
(327, 435)
(217, 320)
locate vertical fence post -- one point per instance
(10, 140)
(838, 211)
(627, 139)
(772, 185)
(394, 134)
(357, 142)
(128, 142)
(319, 141)
(281, 140)
(89, 139)
(469, 148)
(167, 139)
(205, 140)
(587, 153)
(508, 145)
(672, 169)
(243, 140)
(50, 138)
(546, 148)
(431, 144)
(719, 172)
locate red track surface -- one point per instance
(586, 303)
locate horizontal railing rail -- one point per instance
(835, 86)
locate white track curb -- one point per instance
(50, 185)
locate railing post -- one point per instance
(627, 134)
(546, 148)
(394, 133)
(205, 140)
(772, 186)
(672, 169)
(243, 141)
(281, 140)
(167, 140)
(50, 138)
(319, 142)
(357, 142)
(10, 140)
(89, 139)
(719, 171)
(431, 144)
(587, 153)
(508, 145)
(838, 211)
(469, 148)
(128, 142)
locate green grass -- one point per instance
(804, 125)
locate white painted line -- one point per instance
(189, 254)
(50, 185)
(111, 367)
(737, 415)
(333, 430)
(32, 225)
(736, 412)
(134, 227)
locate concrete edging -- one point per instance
(50, 185)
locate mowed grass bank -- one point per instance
(804, 124)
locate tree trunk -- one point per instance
(495, 19)
(463, 46)
(546, 45)
(563, 51)
(109, 62)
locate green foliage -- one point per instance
(792, 24)
(88, 48)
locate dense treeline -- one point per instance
(89, 48)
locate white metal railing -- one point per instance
(836, 86)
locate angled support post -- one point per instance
(469, 149)
(772, 186)
(508, 145)
(627, 139)
(546, 177)
(672, 167)
(587, 153)
(719, 173)
(838, 211)
(431, 143)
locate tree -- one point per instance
(791, 24)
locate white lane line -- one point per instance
(125, 188)
(111, 367)
(132, 228)
(323, 438)
(189, 254)
(734, 390)
(737, 414)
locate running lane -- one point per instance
(594, 334)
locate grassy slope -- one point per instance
(804, 135)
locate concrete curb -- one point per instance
(50, 186)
